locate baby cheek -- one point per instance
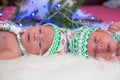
(49, 40)
(33, 49)
(105, 56)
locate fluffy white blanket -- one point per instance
(58, 67)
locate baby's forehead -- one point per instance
(102, 31)
(99, 31)
(96, 32)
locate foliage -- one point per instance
(60, 13)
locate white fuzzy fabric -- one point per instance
(58, 67)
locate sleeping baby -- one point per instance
(49, 39)
(96, 43)
(39, 40)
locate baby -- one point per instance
(39, 40)
(49, 39)
(97, 43)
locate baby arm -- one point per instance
(4, 55)
(115, 58)
(114, 27)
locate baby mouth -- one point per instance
(108, 48)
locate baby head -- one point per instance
(45, 40)
(93, 42)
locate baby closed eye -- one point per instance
(40, 45)
(40, 31)
(95, 39)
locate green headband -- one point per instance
(79, 45)
(60, 42)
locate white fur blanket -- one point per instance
(58, 67)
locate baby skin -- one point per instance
(36, 40)
(102, 44)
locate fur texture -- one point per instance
(58, 67)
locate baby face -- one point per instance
(101, 44)
(37, 40)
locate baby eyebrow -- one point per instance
(40, 30)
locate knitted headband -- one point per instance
(60, 42)
(79, 45)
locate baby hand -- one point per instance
(114, 27)
(113, 58)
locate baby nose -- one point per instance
(100, 47)
(36, 36)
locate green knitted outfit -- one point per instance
(60, 41)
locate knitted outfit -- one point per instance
(61, 40)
